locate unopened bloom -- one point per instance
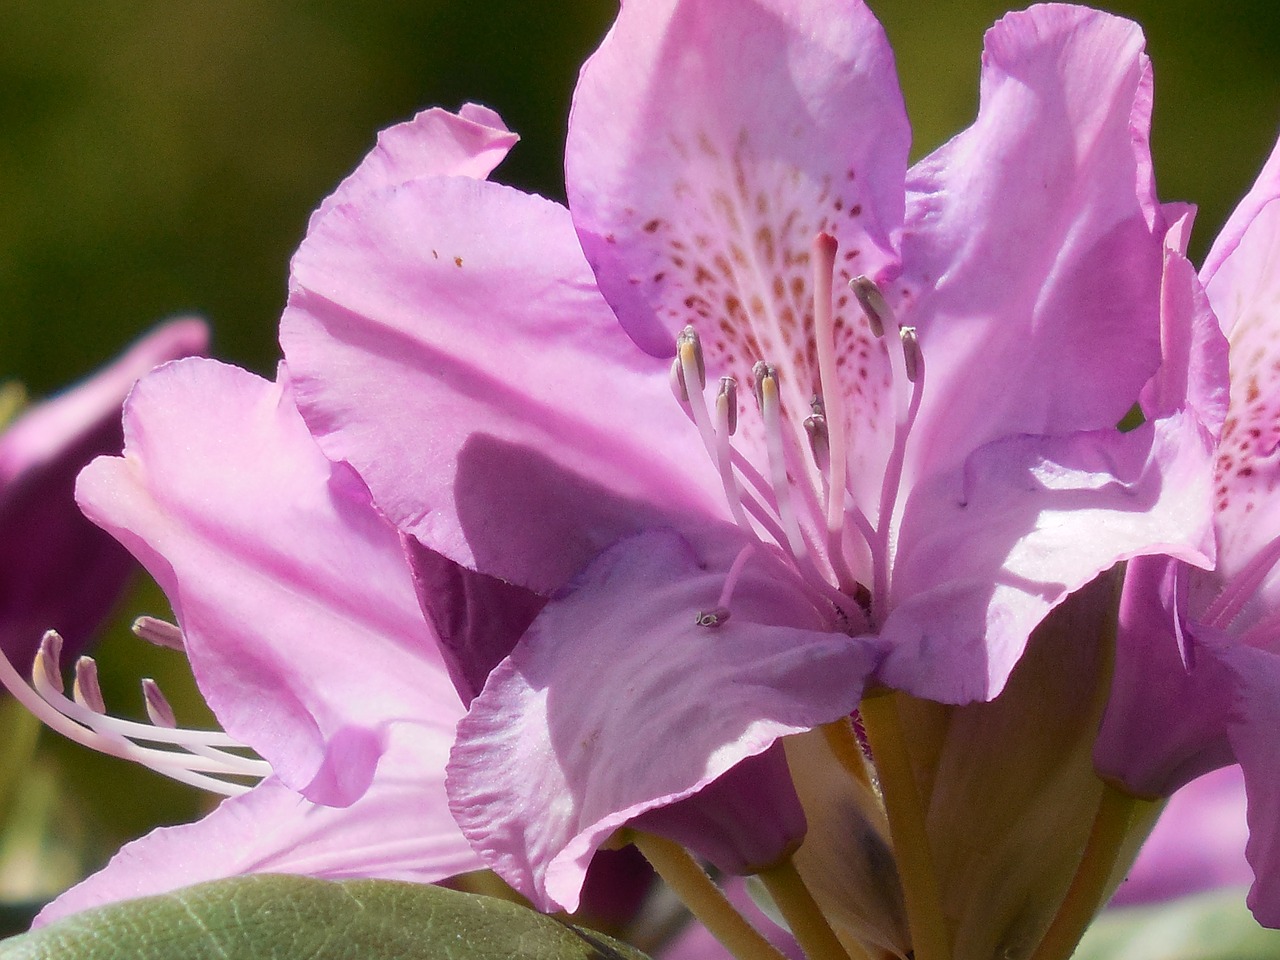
(1197, 676)
(891, 448)
(58, 570)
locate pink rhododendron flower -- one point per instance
(297, 611)
(57, 570)
(1197, 675)
(763, 417)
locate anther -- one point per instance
(688, 344)
(86, 690)
(911, 352)
(727, 404)
(819, 442)
(879, 313)
(158, 632)
(712, 618)
(760, 372)
(49, 659)
(158, 708)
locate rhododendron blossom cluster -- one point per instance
(767, 508)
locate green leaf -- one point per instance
(1213, 926)
(299, 918)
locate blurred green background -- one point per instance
(162, 156)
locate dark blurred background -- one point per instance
(162, 156)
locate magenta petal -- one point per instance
(57, 570)
(989, 548)
(1197, 844)
(299, 612)
(477, 618)
(399, 829)
(604, 711)
(1256, 718)
(1165, 720)
(710, 140)
(1033, 245)
(446, 339)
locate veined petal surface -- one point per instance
(294, 596)
(445, 338)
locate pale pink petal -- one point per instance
(1265, 189)
(1245, 294)
(1165, 720)
(696, 943)
(1198, 843)
(295, 598)
(57, 570)
(399, 829)
(435, 143)
(988, 549)
(447, 340)
(1193, 369)
(1033, 247)
(1256, 718)
(616, 702)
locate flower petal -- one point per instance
(1165, 721)
(602, 711)
(1245, 293)
(446, 339)
(57, 570)
(710, 140)
(435, 143)
(1033, 246)
(295, 598)
(1265, 189)
(988, 549)
(1256, 717)
(399, 829)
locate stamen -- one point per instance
(81, 721)
(766, 377)
(161, 633)
(158, 708)
(832, 399)
(86, 690)
(910, 352)
(727, 406)
(1228, 604)
(712, 618)
(874, 305)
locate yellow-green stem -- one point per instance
(1115, 813)
(930, 936)
(808, 925)
(703, 898)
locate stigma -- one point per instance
(794, 494)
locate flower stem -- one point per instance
(844, 744)
(802, 914)
(930, 936)
(703, 898)
(1116, 811)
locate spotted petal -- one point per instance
(295, 598)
